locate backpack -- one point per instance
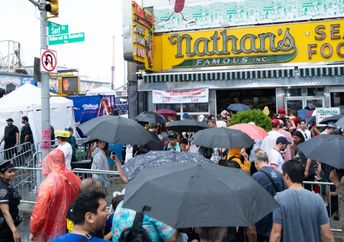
(136, 233)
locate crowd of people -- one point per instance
(68, 209)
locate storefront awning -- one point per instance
(245, 78)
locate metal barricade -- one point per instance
(26, 182)
(327, 190)
(20, 155)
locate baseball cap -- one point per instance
(172, 134)
(62, 133)
(281, 112)
(282, 140)
(6, 165)
(275, 122)
(10, 120)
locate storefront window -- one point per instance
(255, 98)
(337, 99)
(195, 107)
(174, 107)
(292, 92)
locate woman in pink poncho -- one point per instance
(55, 195)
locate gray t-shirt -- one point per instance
(301, 214)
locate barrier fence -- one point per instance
(20, 155)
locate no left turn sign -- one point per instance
(48, 60)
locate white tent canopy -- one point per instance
(101, 91)
(26, 101)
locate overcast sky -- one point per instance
(100, 20)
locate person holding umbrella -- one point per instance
(172, 144)
(100, 162)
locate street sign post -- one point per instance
(66, 38)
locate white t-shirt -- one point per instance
(270, 141)
(306, 134)
(67, 151)
(275, 158)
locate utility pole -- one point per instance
(46, 131)
(45, 105)
(113, 64)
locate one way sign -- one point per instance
(48, 61)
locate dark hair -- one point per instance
(184, 141)
(116, 200)
(205, 151)
(25, 118)
(300, 135)
(211, 233)
(86, 202)
(295, 171)
(229, 163)
(210, 117)
(62, 138)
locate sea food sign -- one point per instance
(273, 44)
(142, 35)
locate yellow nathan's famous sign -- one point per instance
(321, 41)
(142, 33)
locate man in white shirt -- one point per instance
(270, 140)
(275, 156)
(66, 148)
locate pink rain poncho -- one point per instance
(55, 195)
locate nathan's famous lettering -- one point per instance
(327, 49)
(233, 50)
(232, 45)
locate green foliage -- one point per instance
(254, 115)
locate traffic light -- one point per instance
(69, 85)
(52, 7)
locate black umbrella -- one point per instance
(116, 129)
(222, 138)
(328, 149)
(186, 125)
(150, 117)
(199, 195)
(159, 158)
(333, 118)
(238, 107)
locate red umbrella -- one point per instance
(166, 112)
(255, 132)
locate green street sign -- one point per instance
(55, 29)
(66, 38)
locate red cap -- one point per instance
(281, 112)
(275, 122)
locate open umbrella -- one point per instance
(255, 132)
(238, 107)
(166, 112)
(333, 118)
(328, 149)
(222, 138)
(340, 123)
(116, 129)
(186, 125)
(150, 117)
(301, 113)
(199, 195)
(159, 158)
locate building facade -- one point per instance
(268, 53)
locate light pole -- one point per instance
(45, 105)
